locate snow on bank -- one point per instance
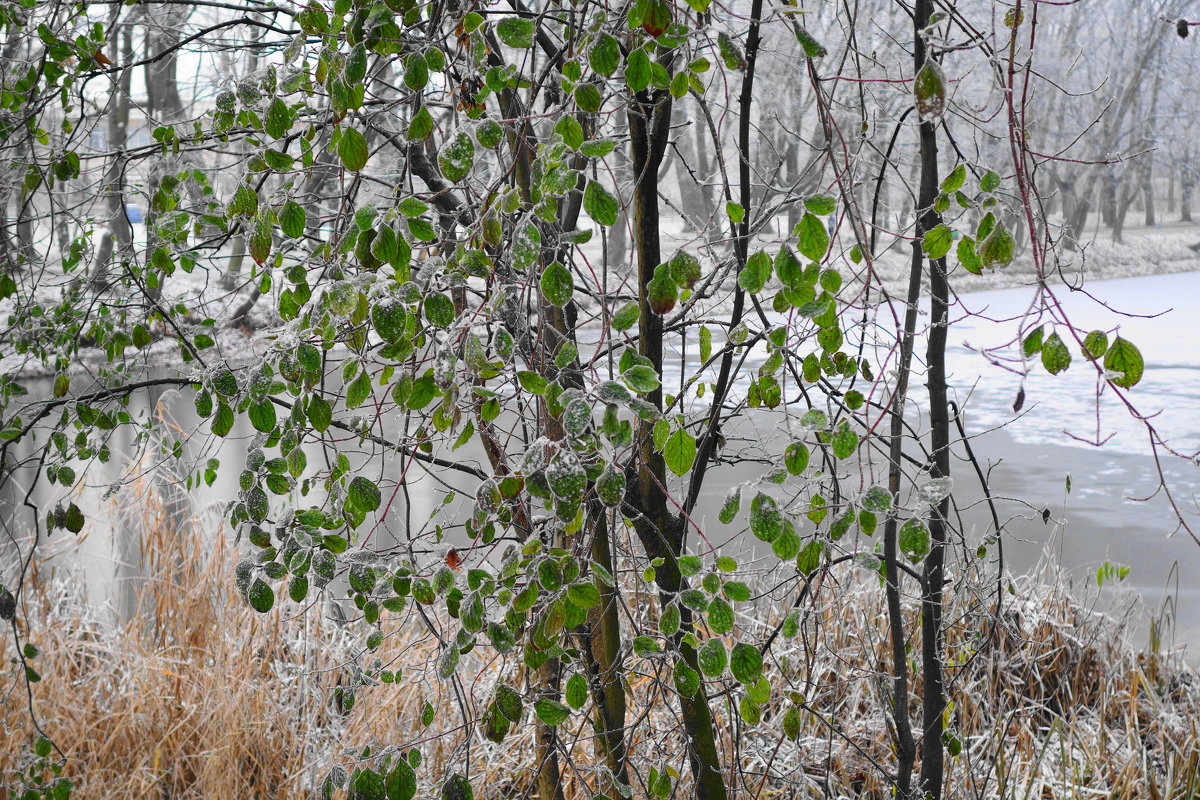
(1145, 251)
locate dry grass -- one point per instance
(198, 697)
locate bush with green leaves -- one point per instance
(505, 362)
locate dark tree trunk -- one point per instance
(660, 532)
(1186, 182)
(933, 699)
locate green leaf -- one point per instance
(641, 378)
(810, 557)
(260, 240)
(820, 204)
(279, 120)
(457, 787)
(222, 423)
(626, 316)
(766, 521)
(844, 441)
(599, 204)
(1032, 344)
(576, 691)
(320, 413)
(1055, 355)
(756, 273)
(605, 55)
(204, 404)
(990, 182)
(1124, 357)
(367, 784)
(358, 390)
(532, 382)
(352, 150)
(439, 310)
(389, 319)
(936, 242)
(996, 250)
(735, 212)
(364, 494)
(680, 452)
(416, 72)
(557, 285)
(74, 518)
(262, 416)
(679, 85)
(401, 783)
(421, 126)
(813, 238)
(598, 148)
(1095, 344)
(551, 712)
(280, 162)
(812, 48)
(260, 596)
(668, 623)
(637, 70)
(457, 157)
(687, 680)
(954, 181)
(720, 616)
(787, 544)
(661, 291)
(795, 457)
(713, 658)
(913, 540)
(516, 32)
(583, 594)
(733, 504)
(293, 219)
(745, 663)
(570, 130)
(968, 257)
(930, 89)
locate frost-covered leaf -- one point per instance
(456, 157)
(766, 521)
(731, 506)
(930, 89)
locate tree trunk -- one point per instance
(118, 239)
(661, 533)
(164, 106)
(1148, 198)
(1186, 182)
(933, 699)
(604, 643)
